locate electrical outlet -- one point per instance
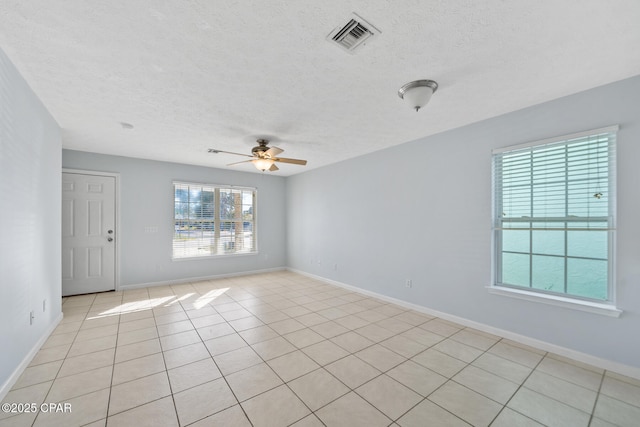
(31, 317)
(408, 283)
(44, 305)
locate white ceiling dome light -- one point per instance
(418, 93)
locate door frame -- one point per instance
(116, 234)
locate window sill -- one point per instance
(591, 307)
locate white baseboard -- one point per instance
(609, 365)
(197, 279)
(6, 387)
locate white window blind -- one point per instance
(554, 215)
(213, 220)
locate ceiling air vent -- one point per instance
(356, 33)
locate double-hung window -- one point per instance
(213, 220)
(554, 216)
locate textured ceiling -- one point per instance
(190, 75)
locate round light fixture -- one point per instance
(418, 93)
(263, 164)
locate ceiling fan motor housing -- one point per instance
(261, 147)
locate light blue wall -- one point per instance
(422, 211)
(29, 222)
(146, 200)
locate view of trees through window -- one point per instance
(211, 220)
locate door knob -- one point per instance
(109, 239)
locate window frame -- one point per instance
(217, 221)
(536, 294)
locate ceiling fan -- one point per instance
(262, 157)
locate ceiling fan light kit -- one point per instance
(263, 164)
(418, 93)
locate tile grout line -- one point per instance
(516, 391)
(166, 370)
(595, 402)
(113, 366)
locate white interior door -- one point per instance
(88, 233)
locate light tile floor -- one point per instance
(281, 349)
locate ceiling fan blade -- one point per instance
(293, 161)
(273, 168)
(273, 151)
(237, 163)
(214, 151)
